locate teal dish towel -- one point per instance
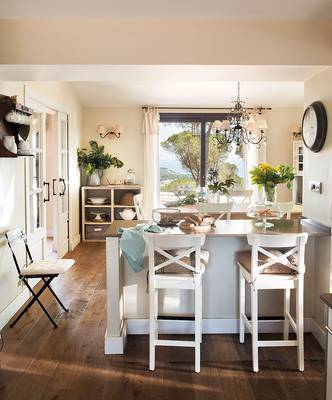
(132, 244)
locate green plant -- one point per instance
(264, 175)
(96, 159)
(190, 199)
(216, 186)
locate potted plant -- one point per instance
(267, 177)
(217, 187)
(94, 161)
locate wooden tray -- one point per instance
(191, 228)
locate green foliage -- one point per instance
(216, 186)
(96, 159)
(181, 181)
(190, 199)
(267, 176)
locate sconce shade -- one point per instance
(101, 130)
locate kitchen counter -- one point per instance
(127, 298)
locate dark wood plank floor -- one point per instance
(42, 363)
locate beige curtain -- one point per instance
(151, 187)
(254, 156)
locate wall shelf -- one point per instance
(93, 231)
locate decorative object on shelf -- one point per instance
(240, 127)
(267, 177)
(127, 199)
(314, 126)
(131, 177)
(14, 123)
(216, 187)
(128, 214)
(95, 161)
(23, 148)
(113, 131)
(97, 200)
(166, 216)
(98, 216)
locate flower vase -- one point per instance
(270, 194)
(95, 178)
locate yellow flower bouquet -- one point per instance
(268, 177)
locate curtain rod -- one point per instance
(205, 108)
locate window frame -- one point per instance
(203, 118)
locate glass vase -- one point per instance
(270, 194)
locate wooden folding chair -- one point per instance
(46, 270)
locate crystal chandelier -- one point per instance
(240, 126)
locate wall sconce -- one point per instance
(297, 132)
(113, 131)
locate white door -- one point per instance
(36, 188)
(62, 185)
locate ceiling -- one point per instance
(172, 9)
(189, 94)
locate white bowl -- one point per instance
(97, 200)
(128, 214)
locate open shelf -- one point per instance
(94, 231)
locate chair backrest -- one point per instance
(286, 208)
(216, 208)
(165, 244)
(291, 254)
(241, 196)
(17, 243)
(138, 203)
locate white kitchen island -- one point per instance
(127, 298)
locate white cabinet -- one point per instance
(298, 157)
(329, 358)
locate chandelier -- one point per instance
(240, 127)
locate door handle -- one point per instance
(48, 191)
(64, 187)
(53, 180)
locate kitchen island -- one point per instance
(127, 298)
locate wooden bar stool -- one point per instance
(175, 262)
(274, 262)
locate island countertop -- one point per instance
(238, 228)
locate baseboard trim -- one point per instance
(210, 326)
(73, 243)
(318, 332)
(7, 314)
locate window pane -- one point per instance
(35, 178)
(227, 160)
(179, 157)
(35, 207)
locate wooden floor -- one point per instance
(41, 363)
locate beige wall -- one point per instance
(103, 41)
(318, 167)
(12, 185)
(129, 148)
(279, 148)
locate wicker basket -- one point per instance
(127, 199)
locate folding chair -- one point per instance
(46, 270)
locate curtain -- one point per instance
(151, 187)
(254, 156)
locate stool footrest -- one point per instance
(176, 343)
(277, 343)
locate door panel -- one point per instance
(62, 184)
(35, 176)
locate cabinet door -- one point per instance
(329, 359)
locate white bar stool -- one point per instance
(274, 262)
(175, 262)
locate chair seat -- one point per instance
(244, 259)
(47, 267)
(179, 270)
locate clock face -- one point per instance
(314, 126)
(309, 127)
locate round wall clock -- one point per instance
(314, 126)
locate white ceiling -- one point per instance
(190, 94)
(171, 9)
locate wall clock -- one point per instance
(314, 126)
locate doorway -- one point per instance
(47, 220)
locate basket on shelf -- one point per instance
(127, 199)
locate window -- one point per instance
(187, 151)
